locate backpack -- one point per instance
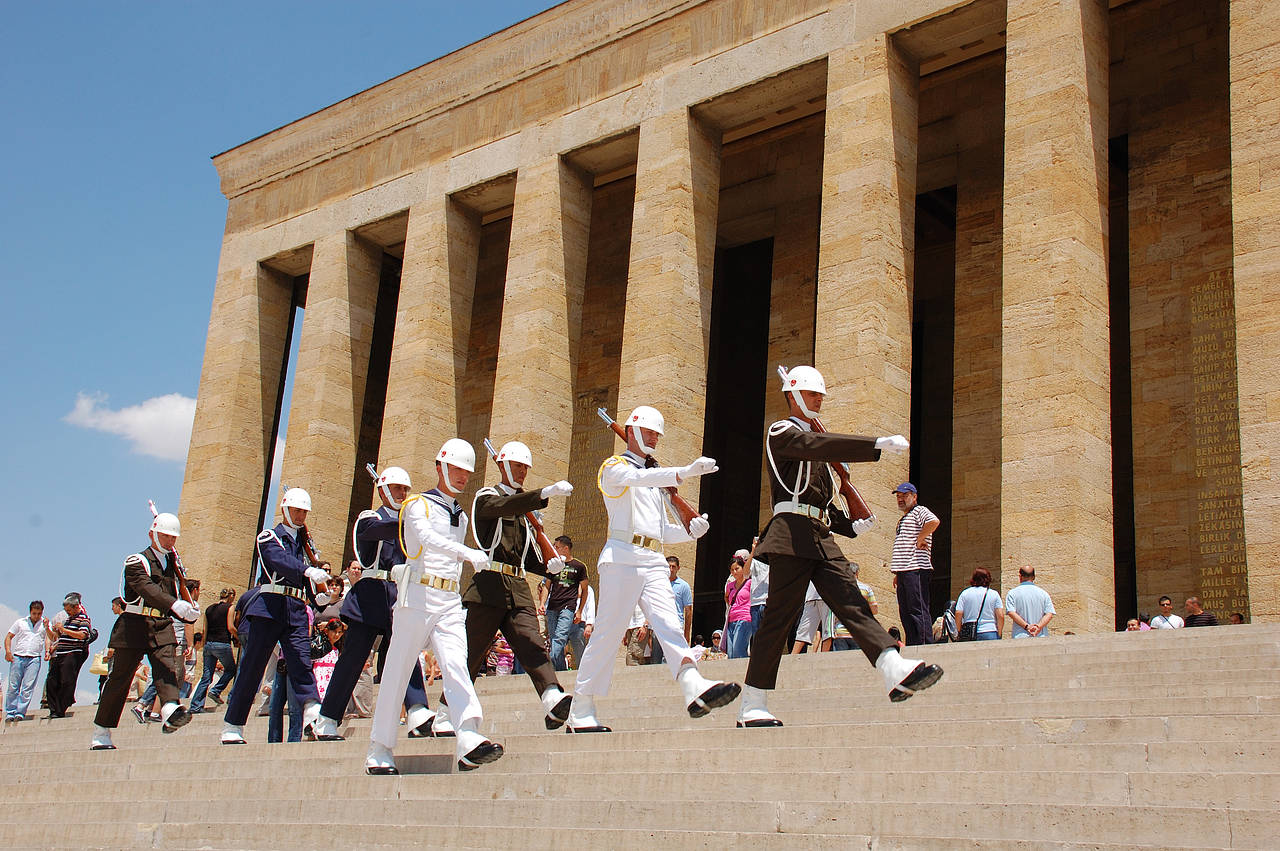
(950, 632)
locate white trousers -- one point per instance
(622, 586)
(443, 624)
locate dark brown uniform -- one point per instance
(497, 601)
(148, 584)
(801, 549)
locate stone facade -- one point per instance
(561, 204)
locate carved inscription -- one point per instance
(1221, 577)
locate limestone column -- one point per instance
(863, 328)
(975, 451)
(667, 326)
(1055, 410)
(231, 440)
(328, 386)
(1255, 198)
(433, 322)
(541, 323)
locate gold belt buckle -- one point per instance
(438, 582)
(646, 542)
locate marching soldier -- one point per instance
(367, 610)
(278, 615)
(428, 608)
(633, 570)
(799, 547)
(498, 598)
(150, 590)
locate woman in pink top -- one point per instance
(737, 598)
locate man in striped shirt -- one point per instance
(911, 565)
(70, 629)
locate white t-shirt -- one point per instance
(1171, 622)
(28, 640)
(971, 603)
(759, 582)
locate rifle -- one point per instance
(308, 545)
(858, 508)
(681, 505)
(183, 592)
(545, 547)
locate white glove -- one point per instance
(185, 611)
(555, 566)
(323, 599)
(479, 559)
(560, 488)
(860, 526)
(698, 526)
(700, 467)
(318, 575)
(398, 572)
(893, 443)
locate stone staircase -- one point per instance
(1157, 739)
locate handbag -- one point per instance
(99, 668)
(969, 629)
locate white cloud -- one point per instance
(8, 617)
(159, 427)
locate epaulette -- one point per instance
(368, 513)
(136, 558)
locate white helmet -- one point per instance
(645, 417)
(804, 378)
(393, 476)
(456, 452)
(513, 450)
(166, 524)
(294, 498)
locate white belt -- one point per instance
(623, 536)
(286, 590)
(792, 507)
(139, 609)
(375, 573)
(504, 568)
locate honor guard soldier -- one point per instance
(433, 527)
(799, 548)
(634, 570)
(367, 610)
(278, 615)
(498, 598)
(150, 589)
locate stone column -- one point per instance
(1055, 410)
(866, 242)
(975, 445)
(433, 321)
(1255, 198)
(231, 440)
(667, 328)
(328, 385)
(541, 323)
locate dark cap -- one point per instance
(906, 487)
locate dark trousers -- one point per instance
(124, 664)
(520, 628)
(60, 685)
(295, 647)
(357, 643)
(913, 607)
(789, 578)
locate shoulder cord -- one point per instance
(805, 466)
(262, 564)
(618, 459)
(355, 544)
(492, 546)
(400, 527)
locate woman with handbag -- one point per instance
(737, 598)
(979, 610)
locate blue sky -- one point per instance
(110, 225)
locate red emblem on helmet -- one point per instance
(793, 382)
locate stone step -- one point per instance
(985, 783)
(1239, 828)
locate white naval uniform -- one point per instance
(631, 574)
(423, 614)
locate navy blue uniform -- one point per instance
(367, 612)
(274, 617)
